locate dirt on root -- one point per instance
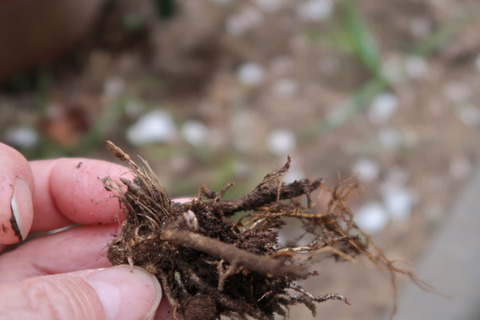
(210, 266)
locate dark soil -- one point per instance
(210, 266)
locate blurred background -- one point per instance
(213, 91)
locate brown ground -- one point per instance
(189, 66)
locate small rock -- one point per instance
(294, 173)
(457, 91)
(371, 217)
(251, 73)
(416, 67)
(392, 69)
(285, 87)
(383, 107)
(155, 126)
(368, 170)
(399, 203)
(315, 10)
(113, 87)
(21, 136)
(281, 141)
(244, 21)
(390, 138)
(469, 114)
(194, 132)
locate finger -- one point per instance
(16, 183)
(165, 311)
(71, 250)
(69, 191)
(111, 293)
(74, 249)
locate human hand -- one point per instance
(65, 275)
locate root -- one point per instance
(210, 267)
(230, 253)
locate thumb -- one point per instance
(110, 293)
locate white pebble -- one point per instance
(416, 67)
(457, 91)
(251, 73)
(281, 141)
(22, 136)
(469, 114)
(368, 170)
(155, 126)
(285, 87)
(194, 132)
(390, 138)
(244, 21)
(294, 173)
(399, 203)
(392, 69)
(113, 87)
(315, 10)
(371, 217)
(383, 107)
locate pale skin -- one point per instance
(57, 276)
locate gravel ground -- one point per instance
(226, 89)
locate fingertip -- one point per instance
(16, 184)
(126, 293)
(20, 214)
(165, 311)
(79, 194)
(22, 209)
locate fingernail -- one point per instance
(126, 294)
(22, 209)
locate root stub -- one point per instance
(208, 266)
(234, 256)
